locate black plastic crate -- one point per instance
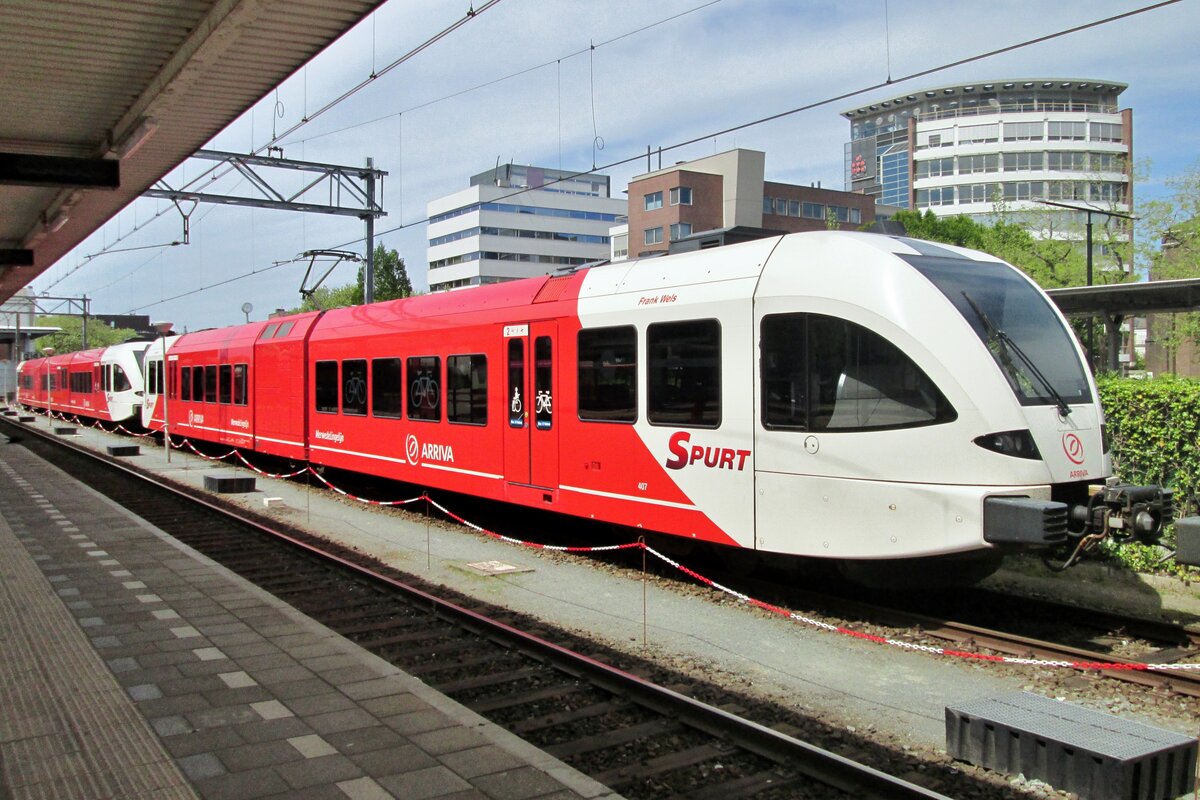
(1097, 756)
(228, 483)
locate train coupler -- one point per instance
(1124, 512)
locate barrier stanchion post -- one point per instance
(642, 543)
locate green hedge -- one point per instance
(1154, 426)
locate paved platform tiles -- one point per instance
(130, 666)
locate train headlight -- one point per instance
(1018, 444)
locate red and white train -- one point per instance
(850, 396)
(101, 383)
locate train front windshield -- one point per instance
(1029, 343)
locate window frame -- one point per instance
(656, 412)
(477, 414)
(322, 386)
(377, 366)
(413, 411)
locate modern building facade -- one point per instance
(728, 190)
(967, 148)
(519, 221)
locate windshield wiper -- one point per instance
(1006, 340)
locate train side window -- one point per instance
(424, 392)
(239, 384)
(354, 387)
(198, 384)
(120, 381)
(684, 373)
(466, 389)
(327, 387)
(185, 383)
(151, 377)
(822, 373)
(386, 387)
(516, 383)
(225, 384)
(543, 384)
(210, 384)
(608, 374)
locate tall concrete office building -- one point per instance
(519, 221)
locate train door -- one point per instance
(530, 429)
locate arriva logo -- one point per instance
(712, 457)
(417, 452)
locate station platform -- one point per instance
(133, 667)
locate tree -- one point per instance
(391, 278)
(1171, 250)
(391, 283)
(1052, 263)
(326, 297)
(70, 338)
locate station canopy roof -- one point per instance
(99, 100)
(1129, 299)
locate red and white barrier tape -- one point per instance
(344, 493)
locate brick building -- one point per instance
(728, 190)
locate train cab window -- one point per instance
(354, 387)
(210, 384)
(684, 373)
(822, 373)
(239, 383)
(269, 331)
(424, 391)
(185, 383)
(225, 384)
(386, 387)
(284, 329)
(327, 387)
(120, 381)
(608, 374)
(466, 389)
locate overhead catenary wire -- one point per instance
(824, 102)
(752, 123)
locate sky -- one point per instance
(574, 84)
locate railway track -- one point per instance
(639, 738)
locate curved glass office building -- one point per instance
(970, 148)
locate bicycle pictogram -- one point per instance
(424, 391)
(355, 391)
(542, 403)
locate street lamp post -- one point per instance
(164, 328)
(1089, 210)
